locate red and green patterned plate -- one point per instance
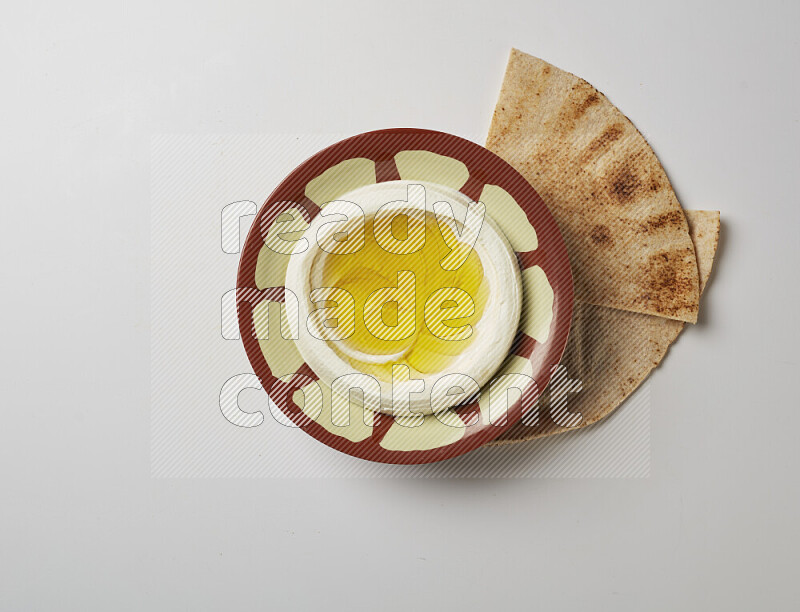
(426, 156)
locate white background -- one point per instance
(83, 526)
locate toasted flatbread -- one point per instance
(612, 351)
(625, 231)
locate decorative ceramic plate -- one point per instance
(519, 221)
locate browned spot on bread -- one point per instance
(668, 284)
(655, 184)
(590, 101)
(609, 135)
(625, 185)
(600, 144)
(670, 220)
(601, 235)
(579, 99)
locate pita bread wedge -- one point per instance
(625, 231)
(704, 230)
(612, 351)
